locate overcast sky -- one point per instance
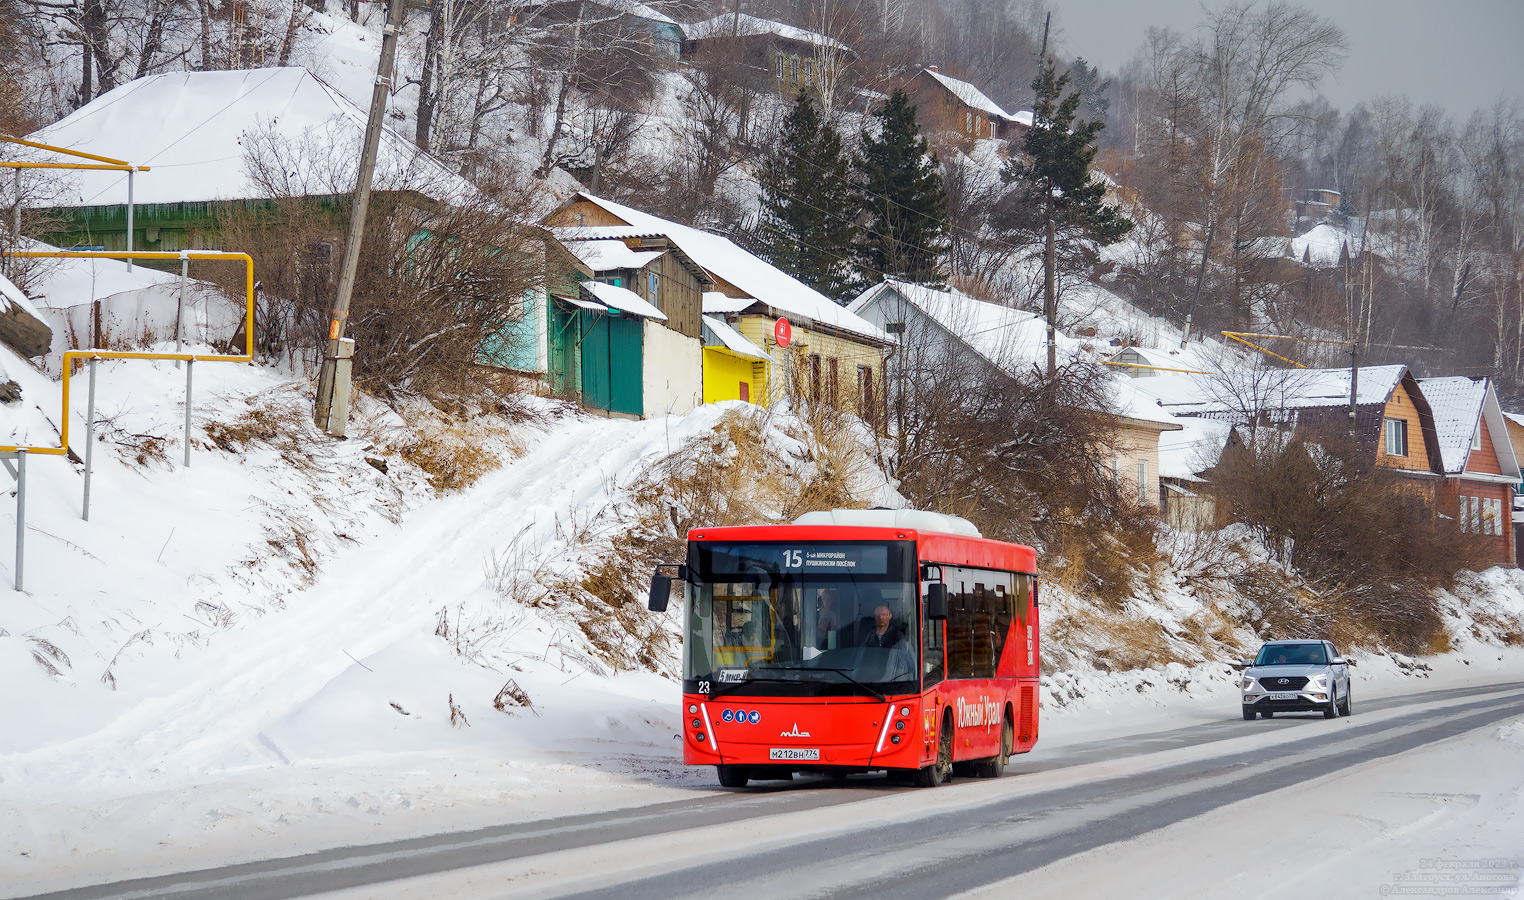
(1459, 54)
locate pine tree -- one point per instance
(1052, 176)
(1055, 194)
(899, 189)
(807, 213)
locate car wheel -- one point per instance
(1349, 703)
(1332, 712)
(1249, 714)
(1268, 713)
(733, 776)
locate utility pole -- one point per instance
(328, 384)
(1049, 260)
(1354, 349)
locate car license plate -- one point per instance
(1285, 695)
(792, 753)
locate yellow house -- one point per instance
(734, 367)
(834, 356)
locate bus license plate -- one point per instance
(792, 753)
(1283, 696)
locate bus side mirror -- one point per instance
(661, 592)
(936, 601)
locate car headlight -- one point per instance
(1248, 683)
(1319, 681)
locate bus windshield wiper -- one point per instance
(842, 672)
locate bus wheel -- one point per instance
(941, 770)
(733, 776)
(994, 767)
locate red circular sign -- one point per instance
(782, 332)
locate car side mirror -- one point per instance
(661, 592)
(1349, 662)
(936, 601)
(1241, 664)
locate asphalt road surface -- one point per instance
(865, 838)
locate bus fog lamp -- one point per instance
(894, 739)
(900, 725)
(692, 708)
(698, 723)
(699, 737)
(904, 710)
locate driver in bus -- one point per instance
(885, 633)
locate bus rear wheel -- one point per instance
(733, 776)
(941, 770)
(994, 767)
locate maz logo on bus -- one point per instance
(983, 712)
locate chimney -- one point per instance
(931, 68)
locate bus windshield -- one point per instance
(837, 618)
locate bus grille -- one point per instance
(1027, 718)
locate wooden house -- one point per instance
(787, 58)
(948, 331)
(750, 295)
(1393, 422)
(1481, 470)
(952, 105)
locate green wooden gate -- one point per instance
(612, 360)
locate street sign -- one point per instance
(782, 332)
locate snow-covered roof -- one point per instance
(1132, 403)
(1322, 246)
(732, 25)
(193, 128)
(1023, 117)
(1011, 339)
(601, 256)
(970, 95)
(1193, 449)
(1233, 392)
(721, 258)
(623, 300)
(641, 10)
(1459, 405)
(725, 336)
(716, 303)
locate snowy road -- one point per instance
(1080, 822)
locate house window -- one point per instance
(832, 396)
(1142, 481)
(1476, 436)
(779, 67)
(793, 68)
(1116, 469)
(968, 121)
(651, 286)
(814, 377)
(1396, 437)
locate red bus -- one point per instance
(853, 641)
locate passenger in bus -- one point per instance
(827, 619)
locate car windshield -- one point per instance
(1291, 655)
(827, 618)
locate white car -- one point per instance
(1296, 676)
